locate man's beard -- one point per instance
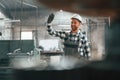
(74, 28)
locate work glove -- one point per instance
(0, 33)
(50, 18)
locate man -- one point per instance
(75, 41)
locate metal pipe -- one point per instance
(28, 4)
(2, 5)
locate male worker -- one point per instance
(75, 41)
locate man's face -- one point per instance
(75, 24)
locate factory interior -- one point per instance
(28, 52)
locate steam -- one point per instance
(28, 62)
(68, 62)
(54, 63)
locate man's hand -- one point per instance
(50, 18)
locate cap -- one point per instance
(77, 16)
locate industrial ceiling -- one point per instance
(9, 7)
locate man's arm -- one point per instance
(51, 31)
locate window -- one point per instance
(26, 35)
(50, 44)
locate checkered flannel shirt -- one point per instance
(80, 37)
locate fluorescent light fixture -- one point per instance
(12, 20)
(9, 20)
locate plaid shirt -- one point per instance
(78, 40)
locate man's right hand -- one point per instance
(50, 18)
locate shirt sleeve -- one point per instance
(52, 32)
(84, 46)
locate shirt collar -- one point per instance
(79, 32)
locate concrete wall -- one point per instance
(5, 28)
